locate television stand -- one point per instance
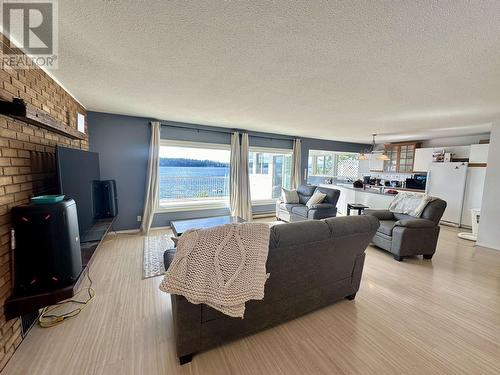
(91, 239)
(17, 305)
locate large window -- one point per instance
(270, 170)
(193, 174)
(333, 164)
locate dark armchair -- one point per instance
(292, 212)
(405, 235)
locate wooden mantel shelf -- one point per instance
(26, 112)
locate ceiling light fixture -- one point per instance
(362, 156)
(381, 156)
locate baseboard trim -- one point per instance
(449, 224)
(135, 231)
(125, 231)
(161, 228)
(263, 215)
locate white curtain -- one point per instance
(152, 181)
(240, 201)
(296, 182)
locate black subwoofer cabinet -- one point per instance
(47, 254)
(105, 199)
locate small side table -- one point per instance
(355, 206)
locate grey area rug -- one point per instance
(154, 247)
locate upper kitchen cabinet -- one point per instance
(479, 154)
(401, 157)
(423, 159)
(406, 158)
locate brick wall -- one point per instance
(17, 177)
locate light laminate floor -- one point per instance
(416, 317)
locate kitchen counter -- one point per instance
(369, 197)
(370, 190)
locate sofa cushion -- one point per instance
(351, 225)
(322, 206)
(300, 233)
(288, 206)
(386, 227)
(324, 213)
(305, 192)
(300, 210)
(332, 195)
(399, 216)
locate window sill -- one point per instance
(264, 202)
(192, 206)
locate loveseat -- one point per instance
(291, 212)
(311, 265)
(405, 235)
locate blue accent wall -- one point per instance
(123, 146)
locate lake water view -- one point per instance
(197, 182)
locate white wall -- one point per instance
(465, 140)
(489, 225)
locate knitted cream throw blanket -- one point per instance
(223, 267)
(410, 203)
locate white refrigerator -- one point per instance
(447, 181)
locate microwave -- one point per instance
(418, 182)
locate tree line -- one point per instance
(181, 162)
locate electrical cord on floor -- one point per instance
(48, 318)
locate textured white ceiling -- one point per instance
(333, 70)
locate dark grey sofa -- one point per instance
(311, 264)
(405, 235)
(300, 212)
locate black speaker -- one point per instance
(105, 199)
(47, 254)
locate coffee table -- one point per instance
(180, 226)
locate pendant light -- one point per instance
(362, 155)
(383, 156)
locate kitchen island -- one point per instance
(373, 198)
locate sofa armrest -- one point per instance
(380, 214)
(187, 325)
(187, 318)
(415, 223)
(168, 257)
(321, 206)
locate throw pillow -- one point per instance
(316, 198)
(289, 196)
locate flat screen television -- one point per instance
(77, 173)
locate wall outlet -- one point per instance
(139, 218)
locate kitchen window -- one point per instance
(333, 164)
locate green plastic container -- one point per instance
(47, 199)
